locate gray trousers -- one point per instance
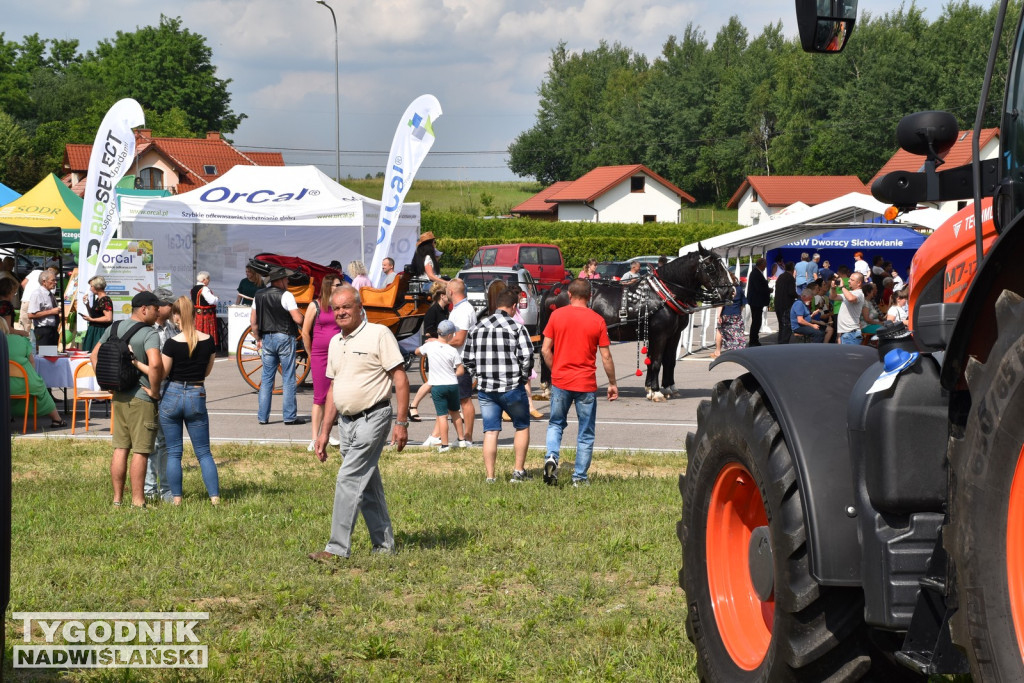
(359, 487)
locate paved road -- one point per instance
(630, 423)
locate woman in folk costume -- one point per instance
(205, 303)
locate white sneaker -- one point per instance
(310, 446)
(465, 444)
(333, 440)
(432, 441)
(443, 449)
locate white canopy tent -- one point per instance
(851, 211)
(290, 210)
(854, 210)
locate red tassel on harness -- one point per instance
(647, 361)
(643, 350)
(639, 373)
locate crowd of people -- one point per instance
(174, 347)
(815, 303)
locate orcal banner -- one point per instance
(413, 139)
(112, 154)
(128, 268)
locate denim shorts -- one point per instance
(445, 397)
(514, 402)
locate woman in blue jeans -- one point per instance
(188, 360)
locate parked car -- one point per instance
(544, 261)
(614, 270)
(479, 278)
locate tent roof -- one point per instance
(39, 238)
(50, 204)
(7, 195)
(295, 195)
(853, 210)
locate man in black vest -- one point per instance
(275, 318)
(758, 296)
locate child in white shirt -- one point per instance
(445, 366)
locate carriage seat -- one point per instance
(386, 297)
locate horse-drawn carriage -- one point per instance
(397, 306)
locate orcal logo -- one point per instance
(225, 195)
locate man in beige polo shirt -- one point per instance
(364, 363)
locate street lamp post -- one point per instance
(337, 94)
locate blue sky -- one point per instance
(482, 59)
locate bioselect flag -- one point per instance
(413, 139)
(112, 154)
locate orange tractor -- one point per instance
(875, 529)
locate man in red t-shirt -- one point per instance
(572, 338)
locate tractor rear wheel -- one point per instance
(755, 613)
(986, 539)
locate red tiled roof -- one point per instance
(538, 204)
(189, 156)
(783, 190)
(958, 155)
(603, 178)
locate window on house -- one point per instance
(151, 179)
(210, 169)
(636, 183)
(649, 218)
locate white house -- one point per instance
(760, 198)
(609, 194)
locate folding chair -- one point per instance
(84, 371)
(18, 370)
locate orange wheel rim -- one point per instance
(744, 620)
(1015, 550)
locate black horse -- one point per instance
(654, 309)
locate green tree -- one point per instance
(163, 67)
(677, 110)
(20, 169)
(580, 95)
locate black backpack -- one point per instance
(114, 368)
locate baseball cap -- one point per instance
(145, 299)
(445, 327)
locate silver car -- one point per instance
(479, 278)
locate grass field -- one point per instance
(491, 582)
(474, 197)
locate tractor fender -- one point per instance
(807, 388)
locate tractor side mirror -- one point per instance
(825, 25)
(928, 133)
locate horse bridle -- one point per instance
(671, 292)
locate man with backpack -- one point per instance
(131, 367)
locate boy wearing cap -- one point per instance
(134, 412)
(445, 367)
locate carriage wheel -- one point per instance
(250, 365)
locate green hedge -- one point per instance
(459, 236)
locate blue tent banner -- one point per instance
(895, 244)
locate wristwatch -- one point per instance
(400, 423)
